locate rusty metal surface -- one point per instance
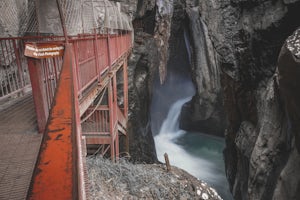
(45, 73)
(14, 75)
(60, 163)
(92, 54)
(55, 176)
(59, 171)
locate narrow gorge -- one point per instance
(213, 83)
(244, 91)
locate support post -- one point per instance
(96, 55)
(39, 93)
(115, 107)
(108, 49)
(125, 92)
(62, 19)
(117, 145)
(111, 120)
(20, 70)
(167, 162)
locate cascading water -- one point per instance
(165, 141)
(187, 44)
(196, 153)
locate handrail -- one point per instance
(60, 158)
(93, 56)
(56, 171)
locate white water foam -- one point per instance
(165, 143)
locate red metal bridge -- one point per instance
(80, 93)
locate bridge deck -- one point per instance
(19, 146)
(91, 65)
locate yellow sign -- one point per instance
(43, 50)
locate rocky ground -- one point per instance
(124, 180)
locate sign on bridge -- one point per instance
(43, 50)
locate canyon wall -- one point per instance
(204, 113)
(260, 139)
(235, 45)
(142, 66)
(158, 25)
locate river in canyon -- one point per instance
(199, 154)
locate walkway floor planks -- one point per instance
(19, 147)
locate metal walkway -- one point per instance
(19, 146)
(77, 72)
(80, 98)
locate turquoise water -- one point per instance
(209, 148)
(199, 154)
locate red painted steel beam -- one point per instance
(98, 140)
(96, 134)
(111, 119)
(55, 175)
(125, 91)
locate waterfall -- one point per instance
(198, 154)
(187, 45)
(165, 142)
(171, 124)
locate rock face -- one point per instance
(263, 114)
(162, 34)
(289, 72)
(288, 184)
(141, 68)
(239, 42)
(157, 25)
(204, 113)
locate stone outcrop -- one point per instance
(204, 112)
(240, 43)
(288, 183)
(262, 112)
(141, 68)
(162, 34)
(289, 84)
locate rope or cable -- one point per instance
(98, 103)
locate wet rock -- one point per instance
(272, 144)
(141, 69)
(246, 138)
(289, 84)
(288, 184)
(204, 112)
(162, 34)
(247, 37)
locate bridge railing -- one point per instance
(87, 60)
(14, 76)
(98, 123)
(60, 157)
(14, 73)
(93, 57)
(95, 54)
